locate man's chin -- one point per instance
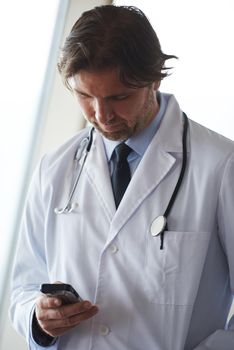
(115, 135)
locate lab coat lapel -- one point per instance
(97, 172)
(157, 161)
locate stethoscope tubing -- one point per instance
(88, 147)
(69, 207)
(180, 179)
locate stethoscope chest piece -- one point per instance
(158, 225)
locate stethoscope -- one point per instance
(84, 147)
(159, 225)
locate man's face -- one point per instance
(114, 109)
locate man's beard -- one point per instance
(142, 121)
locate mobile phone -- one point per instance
(63, 291)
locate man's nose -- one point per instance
(103, 111)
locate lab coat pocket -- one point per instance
(172, 275)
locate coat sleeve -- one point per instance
(29, 269)
(223, 339)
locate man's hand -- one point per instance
(55, 319)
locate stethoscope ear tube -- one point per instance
(180, 179)
(90, 138)
(71, 206)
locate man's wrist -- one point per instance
(39, 336)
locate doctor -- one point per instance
(154, 272)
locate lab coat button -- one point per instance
(104, 330)
(113, 248)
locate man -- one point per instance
(153, 262)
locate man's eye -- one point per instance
(120, 97)
(81, 95)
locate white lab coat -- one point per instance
(170, 299)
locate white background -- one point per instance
(200, 33)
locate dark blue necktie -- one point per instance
(121, 173)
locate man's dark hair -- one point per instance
(114, 37)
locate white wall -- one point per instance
(62, 119)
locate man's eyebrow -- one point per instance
(123, 93)
(81, 92)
